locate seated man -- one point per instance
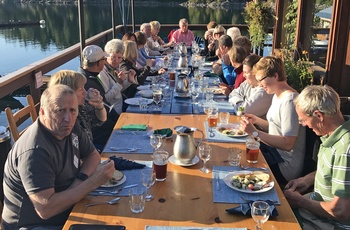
(318, 107)
(51, 167)
(183, 35)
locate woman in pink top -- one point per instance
(183, 35)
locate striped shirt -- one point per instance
(333, 168)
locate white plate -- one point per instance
(228, 178)
(122, 181)
(174, 161)
(136, 101)
(143, 87)
(146, 93)
(231, 126)
(152, 131)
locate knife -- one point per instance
(107, 191)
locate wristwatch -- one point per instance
(255, 134)
(82, 176)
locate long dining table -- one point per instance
(185, 198)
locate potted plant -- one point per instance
(259, 15)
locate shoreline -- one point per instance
(224, 4)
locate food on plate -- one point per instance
(117, 176)
(230, 131)
(253, 181)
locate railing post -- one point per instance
(81, 26)
(113, 19)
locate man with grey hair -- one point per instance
(183, 34)
(93, 62)
(113, 80)
(327, 207)
(151, 50)
(51, 167)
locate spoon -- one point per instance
(247, 167)
(113, 201)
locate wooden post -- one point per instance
(338, 56)
(304, 25)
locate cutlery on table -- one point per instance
(113, 201)
(247, 167)
(125, 149)
(116, 191)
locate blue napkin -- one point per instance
(124, 164)
(245, 208)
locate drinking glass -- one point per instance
(155, 141)
(157, 97)
(260, 211)
(194, 93)
(204, 155)
(212, 118)
(148, 177)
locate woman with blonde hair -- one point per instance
(129, 63)
(282, 137)
(155, 39)
(92, 114)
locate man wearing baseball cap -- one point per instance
(93, 61)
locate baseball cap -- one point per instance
(94, 53)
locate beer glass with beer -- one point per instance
(252, 149)
(212, 119)
(160, 162)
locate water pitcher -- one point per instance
(185, 145)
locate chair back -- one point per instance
(18, 118)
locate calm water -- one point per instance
(22, 46)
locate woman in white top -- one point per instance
(249, 95)
(282, 137)
(114, 81)
(155, 39)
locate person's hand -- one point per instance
(217, 69)
(122, 76)
(161, 71)
(247, 122)
(226, 59)
(131, 76)
(103, 173)
(225, 89)
(299, 185)
(150, 62)
(295, 199)
(94, 98)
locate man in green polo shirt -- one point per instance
(327, 207)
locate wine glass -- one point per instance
(148, 177)
(204, 155)
(156, 141)
(260, 211)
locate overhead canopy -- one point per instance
(325, 14)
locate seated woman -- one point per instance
(282, 137)
(141, 52)
(91, 114)
(249, 94)
(129, 36)
(208, 36)
(155, 39)
(129, 63)
(232, 69)
(214, 45)
(115, 81)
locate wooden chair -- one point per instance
(16, 119)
